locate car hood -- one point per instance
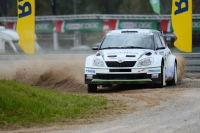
(124, 54)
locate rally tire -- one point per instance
(162, 77)
(92, 88)
(175, 76)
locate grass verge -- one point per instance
(25, 106)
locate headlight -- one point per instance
(98, 62)
(145, 62)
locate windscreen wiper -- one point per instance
(111, 48)
(133, 47)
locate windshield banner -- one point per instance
(83, 25)
(182, 24)
(142, 24)
(26, 25)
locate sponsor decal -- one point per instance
(89, 76)
(90, 71)
(162, 52)
(127, 25)
(130, 25)
(82, 26)
(154, 71)
(44, 27)
(86, 25)
(196, 25)
(123, 52)
(143, 24)
(73, 26)
(170, 71)
(154, 75)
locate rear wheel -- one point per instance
(92, 88)
(175, 76)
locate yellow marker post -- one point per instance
(26, 25)
(182, 24)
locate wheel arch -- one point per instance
(170, 67)
(89, 61)
(171, 60)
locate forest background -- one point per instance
(70, 7)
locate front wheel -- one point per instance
(162, 77)
(92, 88)
(175, 76)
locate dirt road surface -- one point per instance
(146, 110)
(167, 110)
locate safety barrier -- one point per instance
(192, 64)
(97, 16)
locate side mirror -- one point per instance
(95, 48)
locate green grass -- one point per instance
(23, 106)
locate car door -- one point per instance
(161, 47)
(167, 50)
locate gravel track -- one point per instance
(172, 109)
(168, 110)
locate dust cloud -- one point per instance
(66, 75)
(181, 66)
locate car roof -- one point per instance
(136, 31)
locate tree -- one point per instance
(136, 7)
(43, 7)
(65, 7)
(195, 6)
(165, 6)
(11, 8)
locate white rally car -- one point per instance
(131, 56)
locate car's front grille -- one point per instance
(122, 76)
(120, 70)
(123, 64)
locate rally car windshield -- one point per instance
(128, 41)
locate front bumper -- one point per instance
(123, 75)
(122, 78)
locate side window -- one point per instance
(157, 40)
(162, 41)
